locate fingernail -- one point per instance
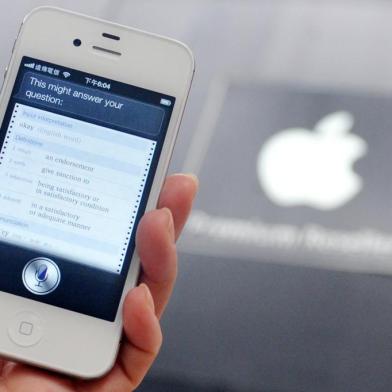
(148, 296)
(193, 177)
(169, 221)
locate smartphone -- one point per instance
(89, 114)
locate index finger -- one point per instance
(177, 195)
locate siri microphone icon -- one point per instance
(41, 274)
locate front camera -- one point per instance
(77, 42)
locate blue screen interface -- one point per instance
(78, 158)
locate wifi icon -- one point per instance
(66, 74)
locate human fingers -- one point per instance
(158, 256)
(178, 194)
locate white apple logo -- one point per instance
(312, 168)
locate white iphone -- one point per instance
(89, 113)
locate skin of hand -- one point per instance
(143, 307)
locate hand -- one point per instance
(143, 305)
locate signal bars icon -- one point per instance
(50, 70)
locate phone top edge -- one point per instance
(173, 41)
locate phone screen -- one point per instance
(78, 158)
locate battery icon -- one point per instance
(166, 102)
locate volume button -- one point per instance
(5, 72)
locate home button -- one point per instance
(25, 329)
